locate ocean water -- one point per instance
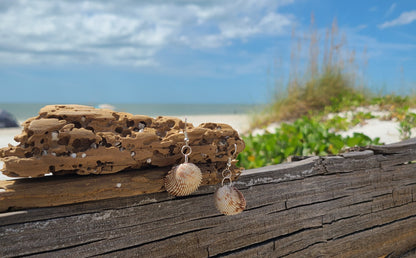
(23, 111)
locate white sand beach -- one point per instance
(6, 138)
(386, 130)
(241, 123)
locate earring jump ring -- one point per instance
(229, 178)
(226, 173)
(186, 148)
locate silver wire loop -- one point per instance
(225, 178)
(226, 173)
(184, 153)
(186, 150)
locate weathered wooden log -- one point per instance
(75, 139)
(358, 204)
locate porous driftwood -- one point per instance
(76, 139)
(358, 204)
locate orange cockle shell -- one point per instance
(229, 200)
(183, 179)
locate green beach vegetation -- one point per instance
(302, 108)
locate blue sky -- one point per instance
(189, 51)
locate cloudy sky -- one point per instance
(188, 51)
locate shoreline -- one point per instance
(22, 111)
(240, 122)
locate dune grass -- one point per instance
(328, 83)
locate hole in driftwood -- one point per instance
(64, 140)
(36, 151)
(170, 123)
(125, 133)
(77, 124)
(116, 116)
(130, 123)
(82, 144)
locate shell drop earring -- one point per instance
(185, 178)
(228, 199)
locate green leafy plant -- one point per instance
(306, 136)
(349, 99)
(360, 117)
(407, 123)
(338, 123)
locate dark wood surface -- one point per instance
(358, 204)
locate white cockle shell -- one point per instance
(183, 179)
(229, 200)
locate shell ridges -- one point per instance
(183, 179)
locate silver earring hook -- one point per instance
(186, 149)
(226, 173)
(185, 132)
(232, 155)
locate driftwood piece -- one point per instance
(359, 204)
(75, 139)
(58, 190)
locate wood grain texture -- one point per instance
(358, 204)
(59, 190)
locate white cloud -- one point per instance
(391, 9)
(403, 19)
(271, 23)
(128, 32)
(361, 26)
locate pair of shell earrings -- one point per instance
(185, 179)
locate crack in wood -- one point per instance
(150, 242)
(62, 248)
(358, 187)
(341, 219)
(254, 245)
(317, 202)
(384, 194)
(273, 180)
(305, 248)
(373, 227)
(259, 207)
(206, 217)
